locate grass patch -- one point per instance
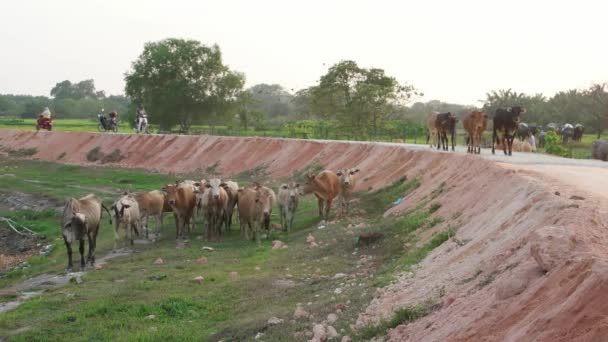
(412, 222)
(212, 169)
(379, 201)
(440, 189)
(435, 221)
(401, 316)
(434, 207)
(112, 157)
(414, 257)
(23, 152)
(94, 154)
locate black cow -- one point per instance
(578, 132)
(506, 121)
(445, 123)
(523, 131)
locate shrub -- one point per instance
(552, 145)
(113, 157)
(94, 154)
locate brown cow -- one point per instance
(213, 202)
(255, 207)
(431, 129)
(182, 201)
(81, 218)
(325, 186)
(348, 181)
(475, 124)
(232, 190)
(151, 203)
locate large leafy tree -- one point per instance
(272, 99)
(597, 106)
(357, 99)
(81, 90)
(182, 82)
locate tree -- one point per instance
(358, 99)
(271, 99)
(81, 90)
(182, 82)
(62, 90)
(598, 105)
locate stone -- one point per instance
(300, 313)
(158, 261)
(332, 318)
(202, 261)
(198, 279)
(274, 321)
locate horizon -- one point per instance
(552, 47)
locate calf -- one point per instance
(445, 123)
(431, 128)
(125, 212)
(288, 204)
(506, 121)
(475, 124)
(325, 186)
(232, 190)
(213, 202)
(182, 200)
(81, 218)
(255, 208)
(348, 181)
(151, 203)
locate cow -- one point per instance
(475, 124)
(126, 217)
(534, 128)
(566, 132)
(552, 127)
(325, 186)
(213, 202)
(288, 204)
(577, 136)
(599, 150)
(182, 200)
(431, 133)
(151, 203)
(445, 123)
(232, 190)
(255, 207)
(348, 181)
(506, 121)
(523, 131)
(541, 139)
(81, 218)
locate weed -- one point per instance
(94, 154)
(61, 156)
(440, 189)
(434, 207)
(435, 221)
(403, 315)
(471, 278)
(489, 278)
(379, 201)
(417, 255)
(113, 157)
(212, 169)
(456, 215)
(23, 152)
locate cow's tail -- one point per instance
(107, 211)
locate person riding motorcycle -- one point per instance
(114, 117)
(141, 119)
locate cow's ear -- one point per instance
(356, 171)
(240, 190)
(223, 185)
(339, 173)
(125, 193)
(207, 185)
(297, 185)
(197, 184)
(126, 206)
(284, 186)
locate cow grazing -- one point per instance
(255, 208)
(232, 190)
(213, 202)
(566, 132)
(151, 203)
(445, 123)
(126, 217)
(431, 133)
(475, 124)
(348, 181)
(325, 186)
(182, 200)
(81, 218)
(506, 121)
(288, 204)
(579, 130)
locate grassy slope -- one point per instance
(113, 303)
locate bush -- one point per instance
(113, 157)
(552, 145)
(94, 154)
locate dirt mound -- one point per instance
(525, 264)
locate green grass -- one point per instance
(402, 315)
(380, 200)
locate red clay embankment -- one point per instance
(526, 264)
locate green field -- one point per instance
(113, 303)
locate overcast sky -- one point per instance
(451, 50)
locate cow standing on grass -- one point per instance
(182, 200)
(255, 204)
(288, 204)
(151, 203)
(348, 181)
(325, 186)
(126, 217)
(81, 218)
(232, 190)
(475, 124)
(506, 121)
(445, 123)
(213, 202)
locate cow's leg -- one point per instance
(452, 140)
(68, 246)
(93, 245)
(90, 247)
(494, 139)
(176, 218)
(81, 250)
(510, 141)
(320, 201)
(438, 140)
(291, 215)
(504, 143)
(327, 207)
(281, 220)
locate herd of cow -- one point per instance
(506, 122)
(212, 200)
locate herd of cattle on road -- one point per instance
(506, 122)
(213, 200)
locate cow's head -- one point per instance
(347, 177)
(77, 221)
(170, 192)
(264, 200)
(214, 185)
(308, 184)
(118, 209)
(292, 188)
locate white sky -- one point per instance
(453, 50)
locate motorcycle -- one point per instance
(44, 123)
(106, 124)
(141, 126)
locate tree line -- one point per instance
(182, 83)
